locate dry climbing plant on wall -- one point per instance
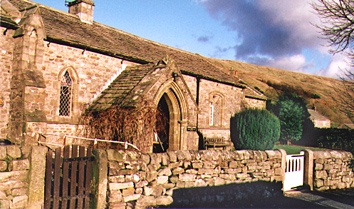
(134, 125)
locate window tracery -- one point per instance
(65, 103)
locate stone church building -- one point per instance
(55, 66)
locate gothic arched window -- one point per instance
(215, 110)
(65, 103)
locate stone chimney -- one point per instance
(83, 9)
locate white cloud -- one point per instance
(339, 63)
(294, 63)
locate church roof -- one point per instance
(65, 28)
(125, 90)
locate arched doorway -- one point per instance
(162, 128)
(168, 131)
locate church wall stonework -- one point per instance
(231, 99)
(6, 53)
(90, 71)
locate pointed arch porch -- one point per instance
(178, 114)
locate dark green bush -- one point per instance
(255, 129)
(292, 112)
(332, 138)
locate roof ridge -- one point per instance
(149, 40)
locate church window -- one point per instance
(215, 110)
(65, 104)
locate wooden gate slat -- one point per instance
(57, 165)
(73, 177)
(48, 179)
(65, 185)
(88, 178)
(68, 178)
(81, 177)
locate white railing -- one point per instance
(95, 141)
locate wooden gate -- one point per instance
(294, 171)
(68, 178)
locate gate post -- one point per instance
(99, 178)
(283, 165)
(36, 177)
(308, 173)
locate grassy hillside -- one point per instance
(272, 82)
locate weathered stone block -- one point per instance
(115, 196)
(164, 200)
(191, 171)
(116, 155)
(165, 160)
(155, 159)
(118, 205)
(168, 185)
(209, 164)
(197, 164)
(177, 171)
(128, 192)
(13, 151)
(242, 175)
(146, 201)
(19, 165)
(318, 167)
(327, 166)
(19, 192)
(187, 177)
(219, 181)
(150, 176)
(13, 176)
(131, 197)
(165, 172)
(3, 165)
(5, 203)
(19, 202)
(172, 155)
(116, 179)
(162, 180)
(141, 184)
(3, 152)
(234, 164)
(145, 158)
(321, 174)
(278, 171)
(183, 155)
(174, 179)
(116, 186)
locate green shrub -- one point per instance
(292, 112)
(255, 129)
(332, 138)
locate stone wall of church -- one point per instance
(230, 102)
(255, 103)
(6, 53)
(91, 73)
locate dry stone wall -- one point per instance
(150, 179)
(14, 171)
(333, 170)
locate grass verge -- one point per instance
(295, 149)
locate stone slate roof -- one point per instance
(123, 90)
(65, 28)
(314, 115)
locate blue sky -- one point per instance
(276, 33)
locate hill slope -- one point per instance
(272, 82)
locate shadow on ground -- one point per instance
(345, 196)
(246, 195)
